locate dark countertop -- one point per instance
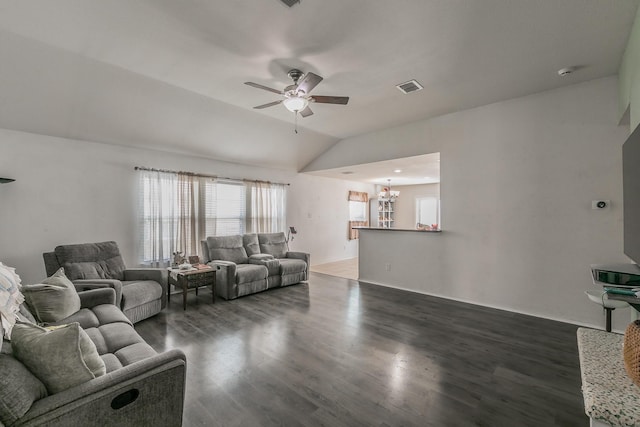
(397, 229)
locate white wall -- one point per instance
(405, 206)
(69, 191)
(517, 181)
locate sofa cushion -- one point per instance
(54, 299)
(19, 388)
(111, 362)
(246, 273)
(89, 270)
(251, 244)
(136, 293)
(99, 315)
(91, 261)
(61, 357)
(119, 345)
(134, 353)
(227, 248)
(273, 243)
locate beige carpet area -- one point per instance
(347, 268)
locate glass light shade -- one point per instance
(295, 103)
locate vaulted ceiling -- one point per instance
(169, 74)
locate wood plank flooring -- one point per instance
(336, 352)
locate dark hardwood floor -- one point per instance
(335, 352)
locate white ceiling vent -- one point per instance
(410, 86)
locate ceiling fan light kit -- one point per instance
(295, 103)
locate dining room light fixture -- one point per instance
(295, 103)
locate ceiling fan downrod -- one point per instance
(295, 74)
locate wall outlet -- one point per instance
(387, 267)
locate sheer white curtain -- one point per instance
(172, 215)
(266, 207)
(191, 212)
(158, 217)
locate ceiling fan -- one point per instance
(296, 97)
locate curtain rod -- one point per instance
(142, 168)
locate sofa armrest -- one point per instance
(156, 274)
(225, 277)
(155, 385)
(88, 284)
(299, 255)
(303, 256)
(159, 275)
(94, 297)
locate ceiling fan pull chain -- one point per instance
(296, 122)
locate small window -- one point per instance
(428, 213)
(357, 211)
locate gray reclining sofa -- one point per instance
(140, 292)
(140, 387)
(252, 263)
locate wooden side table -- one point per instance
(192, 279)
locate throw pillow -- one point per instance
(631, 351)
(54, 299)
(19, 388)
(60, 356)
(10, 298)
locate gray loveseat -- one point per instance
(140, 387)
(140, 292)
(252, 263)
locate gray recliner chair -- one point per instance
(140, 292)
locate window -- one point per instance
(228, 215)
(358, 206)
(357, 211)
(177, 211)
(428, 212)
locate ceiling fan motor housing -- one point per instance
(295, 74)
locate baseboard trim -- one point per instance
(496, 307)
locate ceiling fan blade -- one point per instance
(259, 86)
(306, 112)
(271, 104)
(331, 99)
(309, 81)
